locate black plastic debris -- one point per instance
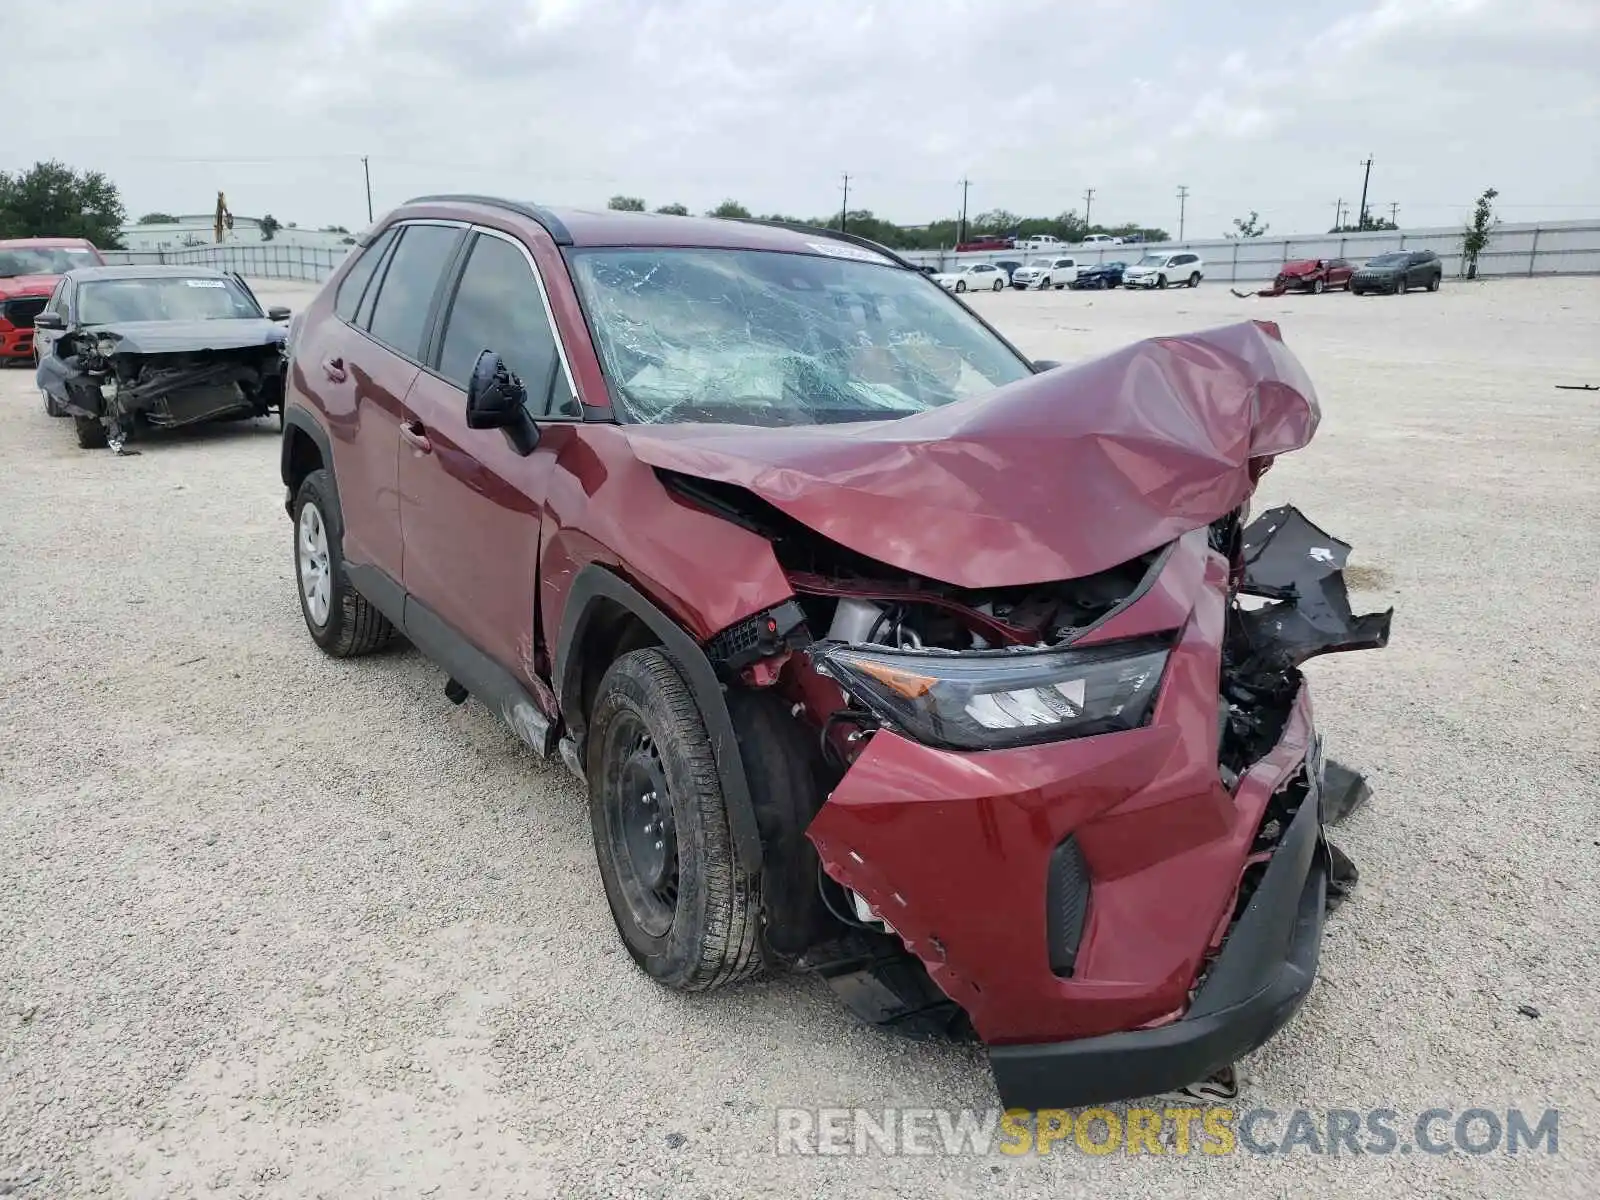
(1343, 791)
(1291, 561)
(1528, 1010)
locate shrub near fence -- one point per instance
(1558, 248)
(269, 260)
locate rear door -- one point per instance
(470, 502)
(359, 368)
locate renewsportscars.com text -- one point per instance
(1176, 1130)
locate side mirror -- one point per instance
(1045, 364)
(278, 312)
(49, 320)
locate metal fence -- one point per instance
(1559, 248)
(269, 260)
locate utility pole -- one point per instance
(961, 228)
(1338, 214)
(367, 171)
(1183, 203)
(844, 205)
(1088, 207)
(1361, 221)
(1394, 214)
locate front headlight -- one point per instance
(994, 699)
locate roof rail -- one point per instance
(836, 235)
(552, 223)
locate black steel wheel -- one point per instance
(687, 911)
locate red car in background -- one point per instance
(29, 271)
(1314, 275)
(987, 243)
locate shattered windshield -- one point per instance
(44, 260)
(164, 298)
(757, 337)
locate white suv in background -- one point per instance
(1177, 267)
(1046, 272)
(1101, 239)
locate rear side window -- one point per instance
(405, 295)
(355, 282)
(497, 306)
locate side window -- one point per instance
(354, 284)
(405, 295)
(497, 306)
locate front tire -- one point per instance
(341, 621)
(1161, 281)
(1399, 288)
(1318, 287)
(687, 912)
(1433, 284)
(92, 434)
(52, 407)
(961, 285)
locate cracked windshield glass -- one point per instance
(755, 337)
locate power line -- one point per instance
(1394, 214)
(1183, 203)
(1338, 212)
(1088, 206)
(1362, 220)
(844, 205)
(961, 228)
(367, 171)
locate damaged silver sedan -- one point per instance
(122, 349)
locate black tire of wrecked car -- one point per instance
(52, 406)
(92, 433)
(713, 937)
(354, 626)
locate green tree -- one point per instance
(1248, 227)
(729, 208)
(157, 218)
(625, 204)
(1371, 224)
(269, 227)
(50, 199)
(1475, 237)
(673, 210)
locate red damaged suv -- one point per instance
(885, 653)
(30, 268)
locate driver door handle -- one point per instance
(333, 368)
(413, 432)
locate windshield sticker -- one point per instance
(839, 250)
(206, 283)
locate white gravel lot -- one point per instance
(277, 926)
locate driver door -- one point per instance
(470, 503)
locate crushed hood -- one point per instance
(1305, 266)
(172, 337)
(1057, 476)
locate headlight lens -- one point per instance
(985, 701)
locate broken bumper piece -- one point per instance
(1257, 983)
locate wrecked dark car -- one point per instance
(125, 348)
(969, 687)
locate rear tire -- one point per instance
(687, 912)
(999, 285)
(1433, 284)
(341, 621)
(92, 434)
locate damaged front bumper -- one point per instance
(1122, 914)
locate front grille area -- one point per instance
(21, 311)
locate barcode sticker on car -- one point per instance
(206, 283)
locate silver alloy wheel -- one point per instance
(316, 582)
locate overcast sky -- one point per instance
(1253, 104)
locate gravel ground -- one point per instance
(277, 926)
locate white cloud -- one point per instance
(1252, 105)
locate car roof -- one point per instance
(148, 271)
(607, 227)
(47, 243)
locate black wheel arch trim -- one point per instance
(595, 583)
(298, 418)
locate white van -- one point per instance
(1039, 241)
